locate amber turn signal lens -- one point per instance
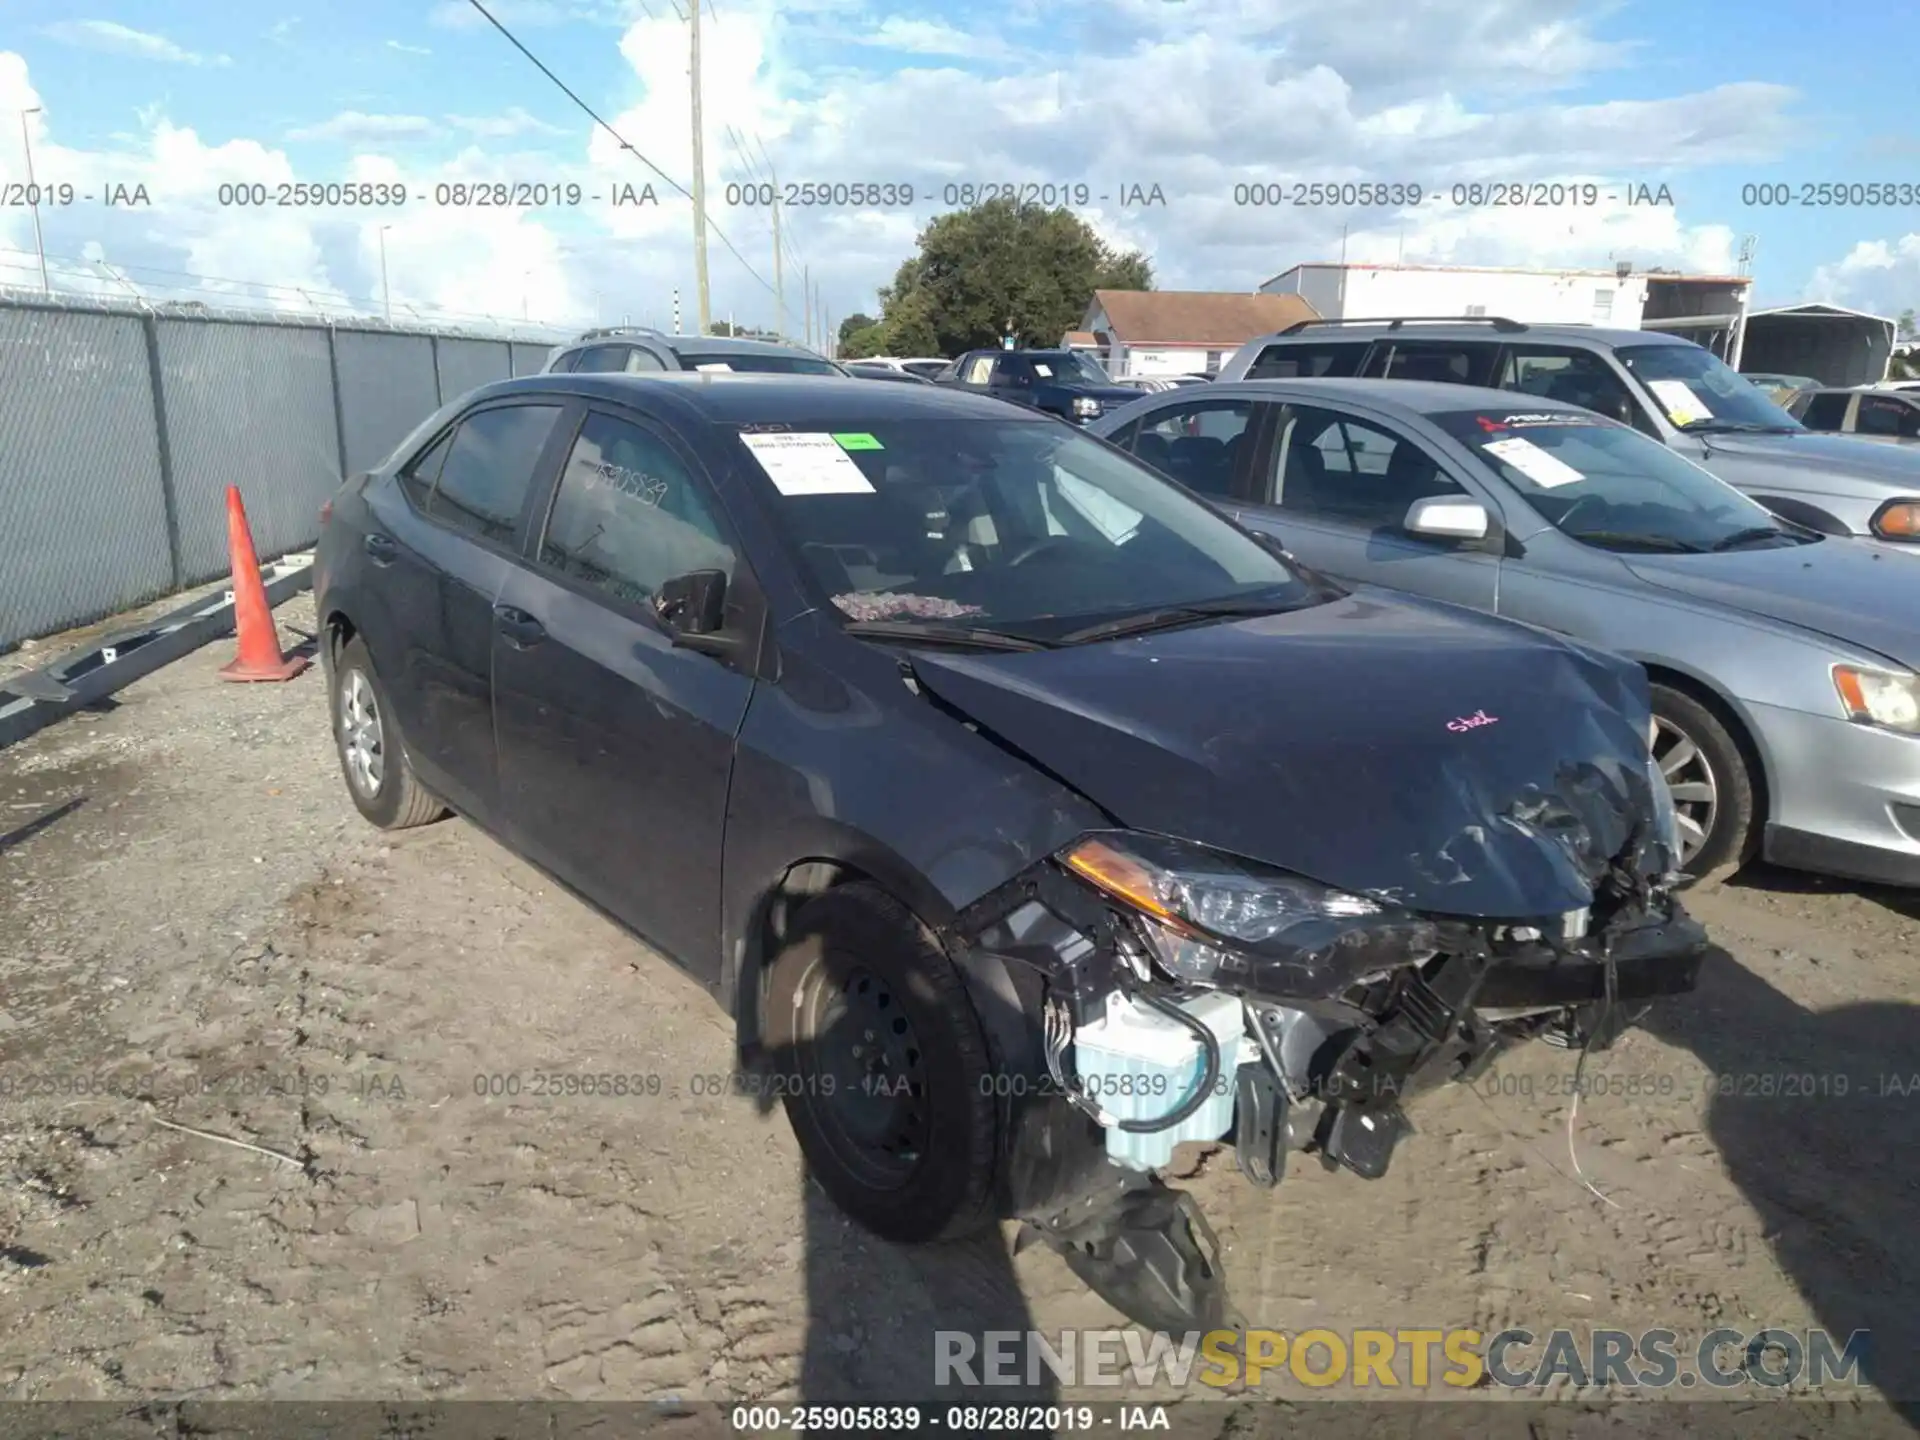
(1120, 875)
(1898, 521)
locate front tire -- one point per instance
(373, 757)
(883, 1068)
(1713, 790)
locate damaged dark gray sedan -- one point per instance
(1030, 816)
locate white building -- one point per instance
(1179, 332)
(1536, 297)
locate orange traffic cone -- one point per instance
(259, 657)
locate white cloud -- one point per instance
(114, 38)
(1195, 97)
(406, 49)
(461, 15)
(514, 120)
(1881, 276)
(354, 127)
(932, 37)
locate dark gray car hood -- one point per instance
(1855, 590)
(1331, 742)
(1838, 455)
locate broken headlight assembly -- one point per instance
(1215, 921)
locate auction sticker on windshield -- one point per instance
(807, 464)
(1546, 471)
(1681, 402)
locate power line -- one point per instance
(619, 139)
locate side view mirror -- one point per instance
(1443, 517)
(694, 607)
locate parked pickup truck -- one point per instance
(1060, 382)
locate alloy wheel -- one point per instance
(362, 741)
(1696, 791)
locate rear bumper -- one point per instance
(1845, 797)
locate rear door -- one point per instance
(616, 745)
(1457, 362)
(1335, 487)
(443, 540)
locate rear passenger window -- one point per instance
(417, 479)
(629, 516)
(641, 360)
(1825, 412)
(489, 469)
(1291, 362)
(1462, 363)
(602, 360)
(1197, 443)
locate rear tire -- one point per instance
(1712, 784)
(373, 756)
(882, 1065)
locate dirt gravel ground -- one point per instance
(197, 930)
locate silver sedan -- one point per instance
(1782, 661)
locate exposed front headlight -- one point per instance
(1877, 697)
(1212, 919)
(1085, 406)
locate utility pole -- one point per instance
(33, 195)
(699, 175)
(779, 278)
(676, 309)
(386, 294)
(806, 299)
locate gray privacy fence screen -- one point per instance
(121, 426)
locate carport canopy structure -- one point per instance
(1832, 343)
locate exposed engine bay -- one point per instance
(1182, 995)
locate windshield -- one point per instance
(1018, 525)
(1070, 368)
(751, 364)
(1695, 390)
(1608, 485)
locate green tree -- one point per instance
(997, 264)
(856, 321)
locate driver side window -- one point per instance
(1578, 377)
(978, 370)
(1335, 467)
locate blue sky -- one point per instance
(1196, 96)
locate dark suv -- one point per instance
(635, 352)
(1678, 392)
(1031, 816)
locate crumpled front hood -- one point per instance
(1456, 764)
(1834, 455)
(1856, 590)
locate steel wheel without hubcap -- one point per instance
(1696, 792)
(362, 743)
(868, 1083)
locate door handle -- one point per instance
(519, 628)
(381, 550)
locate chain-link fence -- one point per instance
(121, 426)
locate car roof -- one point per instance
(1474, 330)
(1416, 397)
(768, 399)
(706, 344)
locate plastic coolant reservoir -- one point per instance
(1138, 1064)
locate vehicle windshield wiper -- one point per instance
(1736, 427)
(1749, 535)
(921, 632)
(1169, 616)
(1634, 537)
